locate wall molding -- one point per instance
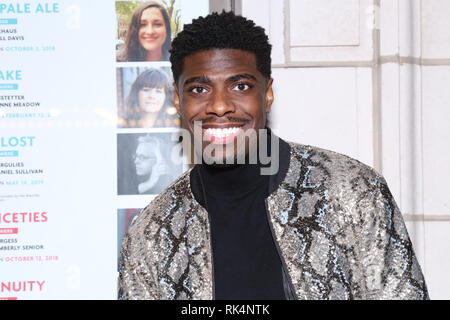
(365, 64)
(426, 217)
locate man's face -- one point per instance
(224, 90)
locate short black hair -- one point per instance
(221, 31)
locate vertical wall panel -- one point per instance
(436, 155)
(436, 29)
(315, 23)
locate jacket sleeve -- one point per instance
(137, 280)
(388, 266)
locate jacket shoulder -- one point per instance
(349, 192)
(163, 203)
(330, 198)
(331, 170)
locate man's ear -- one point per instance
(176, 98)
(269, 95)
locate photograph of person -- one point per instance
(145, 29)
(144, 163)
(148, 102)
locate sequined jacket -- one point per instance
(335, 224)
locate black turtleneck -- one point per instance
(246, 263)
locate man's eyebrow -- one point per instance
(200, 79)
(241, 76)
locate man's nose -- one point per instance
(220, 104)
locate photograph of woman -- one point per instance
(148, 36)
(149, 103)
(144, 163)
(151, 169)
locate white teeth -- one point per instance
(218, 132)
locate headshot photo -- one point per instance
(145, 98)
(145, 29)
(144, 163)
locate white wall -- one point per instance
(371, 79)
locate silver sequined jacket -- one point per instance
(335, 224)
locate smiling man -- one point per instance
(228, 96)
(321, 226)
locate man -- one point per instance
(323, 226)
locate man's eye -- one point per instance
(198, 90)
(241, 87)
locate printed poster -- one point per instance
(87, 134)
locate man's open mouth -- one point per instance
(223, 134)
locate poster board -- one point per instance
(73, 166)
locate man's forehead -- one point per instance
(214, 62)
